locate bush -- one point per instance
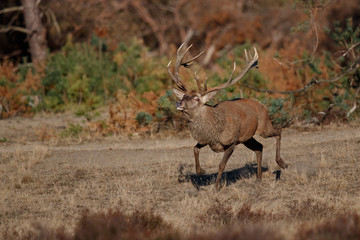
(343, 227)
(73, 130)
(84, 75)
(78, 75)
(166, 107)
(116, 225)
(143, 118)
(278, 112)
(104, 226)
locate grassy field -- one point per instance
(52, 188)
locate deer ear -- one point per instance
(208, 96)
(179, 94)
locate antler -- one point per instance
(179, 57)
(250, 63)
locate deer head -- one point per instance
(191, 102)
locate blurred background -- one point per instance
(87, 55)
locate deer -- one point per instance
(228, 123)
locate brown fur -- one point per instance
(226, 125)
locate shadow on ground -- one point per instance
(229, 177)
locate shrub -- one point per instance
(138, 70)
(73, 130)
(166, 113)
(82, 74)
(278, 112)
(217, 214)
(117, 225)
(253, 232)
(342, 227)
(143, 118)
(105, 226)
(78, 75)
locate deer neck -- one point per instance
(206, 125)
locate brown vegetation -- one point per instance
(109, 173)
(63, 189)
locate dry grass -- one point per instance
(51, 186)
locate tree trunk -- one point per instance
(37, 39)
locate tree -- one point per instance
(37, 38)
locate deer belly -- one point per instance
(217, 147)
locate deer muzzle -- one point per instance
(179, 106)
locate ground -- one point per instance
(52, 182)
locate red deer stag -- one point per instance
(226, 124)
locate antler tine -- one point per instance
(179, 57)
(198, 82)
(256, 53)
(175, 77)
(179, 49)
(186, 64)
(177, 81)
(205, 84)
(249, 63)
(246, 56)
(232, 73)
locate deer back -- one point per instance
(229, 122)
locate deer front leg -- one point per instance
(275, 132)
(227, 154)
(197, 148)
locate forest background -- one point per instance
(112, 55)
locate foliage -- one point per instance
(166, 110)
(143, 118)
(278, 112)
(17, 90)
(347, 37)
(73, 130)
(78, 75)
(342, 227)
(87, 113)
(137, 70)
(339, 94)
(114, 224)
(134, 82)
(81, 75)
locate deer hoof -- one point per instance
(200, 171)
(281, 163)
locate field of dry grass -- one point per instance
(52, 184)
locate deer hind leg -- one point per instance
(257, 148)
(270, 131)
(197, 148)
(227, 154)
